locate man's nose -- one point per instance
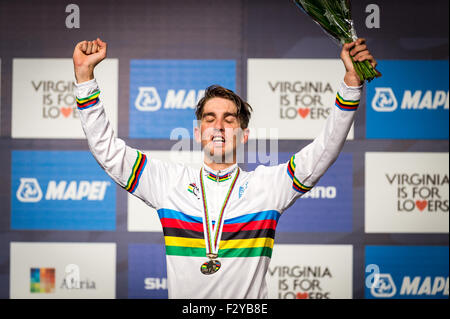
(219, 125)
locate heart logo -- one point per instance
(421, 204)
(66, 111)
(303, 112)
(302, 295)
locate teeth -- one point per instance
(218, 139)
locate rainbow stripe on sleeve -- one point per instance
(346, 105)
(138, 167)
(89, 101)
(296, 185)
(250, 235)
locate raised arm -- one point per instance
(128, 167)
(307, 166)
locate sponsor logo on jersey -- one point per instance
(242, 189)
(193, 189)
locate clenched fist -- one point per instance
(359, 52)
(86, 56)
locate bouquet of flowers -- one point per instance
(334, 16)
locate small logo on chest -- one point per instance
(242, 189)
(192, 188)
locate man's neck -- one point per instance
(218, 166)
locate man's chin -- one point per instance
(220, 156)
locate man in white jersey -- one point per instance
(218, 221)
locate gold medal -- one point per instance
(213, 240)
(210, 267)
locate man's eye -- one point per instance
(230, 120)
(209, 119)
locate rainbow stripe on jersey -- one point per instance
(89, 101)
(136, 172)
(296, 185)
(217, 178)
(346, 105)
(250, 235)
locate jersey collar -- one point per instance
(221, 175)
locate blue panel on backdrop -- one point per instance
(407, 272)
(410, 101)
(61, 190)
(147, 273)
(164, 93)
(328, 207)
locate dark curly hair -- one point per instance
(243, 108)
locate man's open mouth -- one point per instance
(219, 139)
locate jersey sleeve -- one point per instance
(130, 168)
(304, 169)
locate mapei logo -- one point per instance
(384, 287)
(167, 91)
(385, 100)
(29, 190)
(148, 99)
(413, 93)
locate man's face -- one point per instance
(220, 130)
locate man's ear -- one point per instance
(198, 134)
(245, 135)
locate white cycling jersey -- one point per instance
(255, 204)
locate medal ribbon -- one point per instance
(212, 243)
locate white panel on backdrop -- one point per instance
(142, 217)
(406, 193)
(294, 96)
(311, 272)
(62, 270)
(43, 100)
